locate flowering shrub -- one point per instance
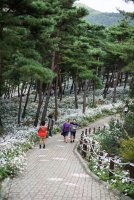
(12, 160)
(109, 138)
(108, 141)
(123, 185)
(120, 180)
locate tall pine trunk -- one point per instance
(79, 88)
(75, 94)
(1, 125)
(26, 102)
(20, 103)
(36, 94)
(106, 86)
(84, 96)
(1, 80)
(126, 79)
(72, 86)
(39, 105)
(53, 66)
(56, 99)
(121, 77)
(64, 88)
(60, 88)
(115, 79)
(93, 94)
(44, 113)
(18, 91)
(1, 64)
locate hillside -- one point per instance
(101, 18)
(106, 19)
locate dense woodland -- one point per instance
(43, 44)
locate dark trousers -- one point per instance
(73, 134)
(50, 132)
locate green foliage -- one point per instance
(127, 149)
(115, 141)
(122, 185)
(5, 172)
(33, 139)
(1, 131)
(84, 122)
(132, 88)
(109, 143)
(128, 121)
(125, 188)
(56, 129)
(107, 112)
(109, 138)
(97, 82)
(87, 74)
(37, 72)
(103, 174)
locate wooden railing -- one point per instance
(87, 150)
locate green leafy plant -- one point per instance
(124, 187)
(127, 149)
(84, 122)
(56, 129)
(129, 119)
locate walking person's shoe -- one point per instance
(44, 146)
(40, 146)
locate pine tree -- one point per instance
(116, 58)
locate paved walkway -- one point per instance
(55, 173)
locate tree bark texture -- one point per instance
(20, 103)
(75, 94)
(26, 102)
(39, 105)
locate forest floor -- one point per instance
(55, 173)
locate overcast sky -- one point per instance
(109, 5)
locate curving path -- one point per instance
(55, 173)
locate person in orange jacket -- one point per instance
(42, 133)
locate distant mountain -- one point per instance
(100, 18)
(106, 19)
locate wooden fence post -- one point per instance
(89, 131)
(86, 132)
(94, 129)
(100, 159)
(84, 150)
(81, 139)
(111, 166)
(91, 150)
(131, 170)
